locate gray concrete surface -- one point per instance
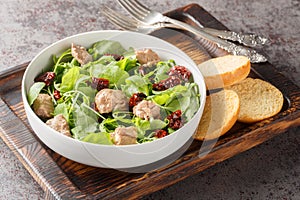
(268, 171)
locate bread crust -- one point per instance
(225, 71)
(219, 115)
(258, 100)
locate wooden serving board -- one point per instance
(65, 179)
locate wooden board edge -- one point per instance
(14, 69)
(42, 168)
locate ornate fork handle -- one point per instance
(228, 46)
(250, 40)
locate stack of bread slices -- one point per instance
(234, 96)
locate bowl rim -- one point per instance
(201, 99)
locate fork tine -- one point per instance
(132, 9)
(140, 6)
(129, 7)
(119, 16)
(120, 20)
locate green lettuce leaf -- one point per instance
(34, 91)
(167, 96)
(85, 121)
(98, 138)
(163, 67)
(108, 125)
(127, 64)
(63, 108)
(106, 47)
(194, 103)
(107, 68)
(136, 84)
(69, 79)
(146, 128)
(181, 97)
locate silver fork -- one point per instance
(128, 23)
(149, 17)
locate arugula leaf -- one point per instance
(108, 125)
(194, 102)
(181, 97)
(166, 96)
(123, 118)
(145, 126)
(127, 63)
(136, 84)
(170, 130)
(106, 47)
(162, 70)
(85, 122)
(110, 71)
(65, 57)
(114, 74)
(187, 101)
(156, 124)
(60, 70)
(96, 67)
(160, 99)
(98, 138)
(89, 92)
(69, 79)
(142, 125)
(63, 108)
(83, 87)
(34, 91)
(179, 103)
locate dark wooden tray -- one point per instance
(64, 179)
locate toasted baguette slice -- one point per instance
(219, 115)
(259, 100)
(224, 71)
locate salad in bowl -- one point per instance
(108, 93)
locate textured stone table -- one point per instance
(268, 171)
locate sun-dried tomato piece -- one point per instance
(99, 83)
(160, 133)
(180, 71)
(135, 99)
(166, 83)
(56, 94)
(158, 87)
(175, 120)
(171, 82)
(47, 78)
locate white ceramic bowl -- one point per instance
(118, 157)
